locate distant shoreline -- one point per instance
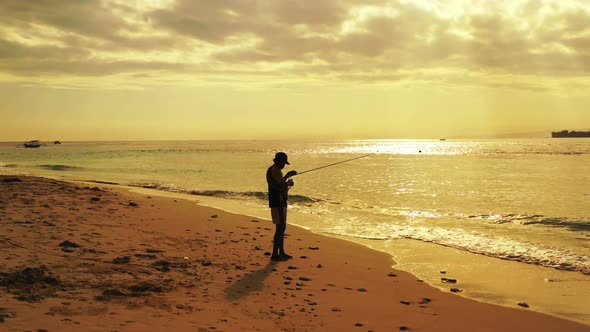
(570, 134)
(535, 135)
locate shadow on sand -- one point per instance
(248, 284)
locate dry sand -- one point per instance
(140, 263)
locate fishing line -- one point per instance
(340, 162)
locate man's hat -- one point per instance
(281, 156)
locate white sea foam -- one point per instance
(158, 186)
(475, 242)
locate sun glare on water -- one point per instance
(404, 147)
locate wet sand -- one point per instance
(80, 257)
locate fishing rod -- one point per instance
(340, 162)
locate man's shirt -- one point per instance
(277, 189)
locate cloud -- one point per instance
(362, 40)
(10, 51)
(85, 68)
(83, 17)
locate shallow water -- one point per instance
(525, 201)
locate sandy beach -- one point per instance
(91, 257)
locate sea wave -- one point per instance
(244, 195)
(539, 153)
(536, 219)
(8, 165)
(478, 243)
(102, 182)
(59, 167)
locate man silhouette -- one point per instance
(278, 189)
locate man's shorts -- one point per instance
(279, 215)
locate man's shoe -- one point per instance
(278, 258)
(286, 256)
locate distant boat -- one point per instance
(443, 139)
(565, 133)
(31, 144)
(57, 142)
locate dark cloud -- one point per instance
(91, 24)
(316, 14)
(212, 20)
(10, 51)
(84, 17)
(87, 68)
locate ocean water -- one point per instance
(526, 201)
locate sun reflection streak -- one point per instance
(405, 147)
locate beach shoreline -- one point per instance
(486, 279)
(163, 263)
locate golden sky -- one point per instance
(247, 69)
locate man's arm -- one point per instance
(277, 181)
(289, 174)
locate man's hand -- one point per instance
(291, 173)
(290, 183)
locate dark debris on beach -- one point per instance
(31, 284)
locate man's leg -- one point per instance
(277, 244)
(282, 252)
